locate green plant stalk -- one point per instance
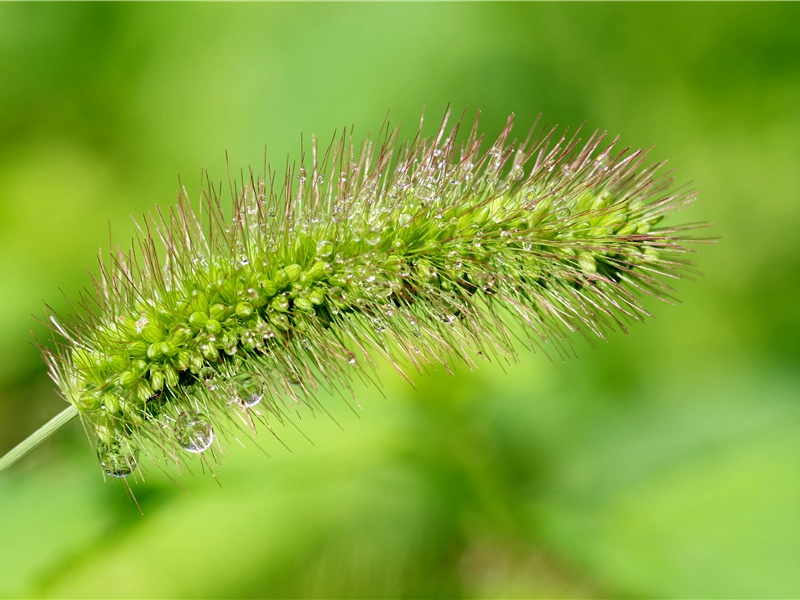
(37, 437)
(432, 251)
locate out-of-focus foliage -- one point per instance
(666, 463)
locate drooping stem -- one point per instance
(38, 436)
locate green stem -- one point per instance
(38, 436)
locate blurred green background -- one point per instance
(661, 464)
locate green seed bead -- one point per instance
(138, 349)
(156, 380)
(337, 280)
(182, 361)
(117, 363)
(111, 402)
(316, 271)
(217, 312)
(292, 272)
(88, 401)
(143, 391)
(268, 288)
(304, 304)
(209, 351)
(170, 377)
(199, 303)
(151, 332)
(181, 334)
(198, 320)
(127, 379)
(316, 296)
(281, 279)
(244, 310)
(195, 363)
(280, 303)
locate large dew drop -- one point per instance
(208, 377)
(193, 432)
(246, 389)
(117, 459)
(372, 237)
(324, 248)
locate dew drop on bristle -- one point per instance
(246, 389)
(324, 248)
(208, 377)
(117, 459)
(193, 432)
(372, 237)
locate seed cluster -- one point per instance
(430, 250)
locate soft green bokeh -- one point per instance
(664, 463)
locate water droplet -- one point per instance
(200, 260)
(324, 248)
(351, 358)
(379, 325)
(208, 377)
(372, 237)
(193, 432)
(141, 323)
(244, 261)
(426, 193)
(485, 281)
(337, 294)
(117, 459)
(247, 389)
(272, 211)
(301, 174)
(454, 259)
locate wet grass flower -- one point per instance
(233, 314)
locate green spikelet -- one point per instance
(429, 251)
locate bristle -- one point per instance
(427, 251)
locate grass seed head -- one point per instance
(434, 247)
